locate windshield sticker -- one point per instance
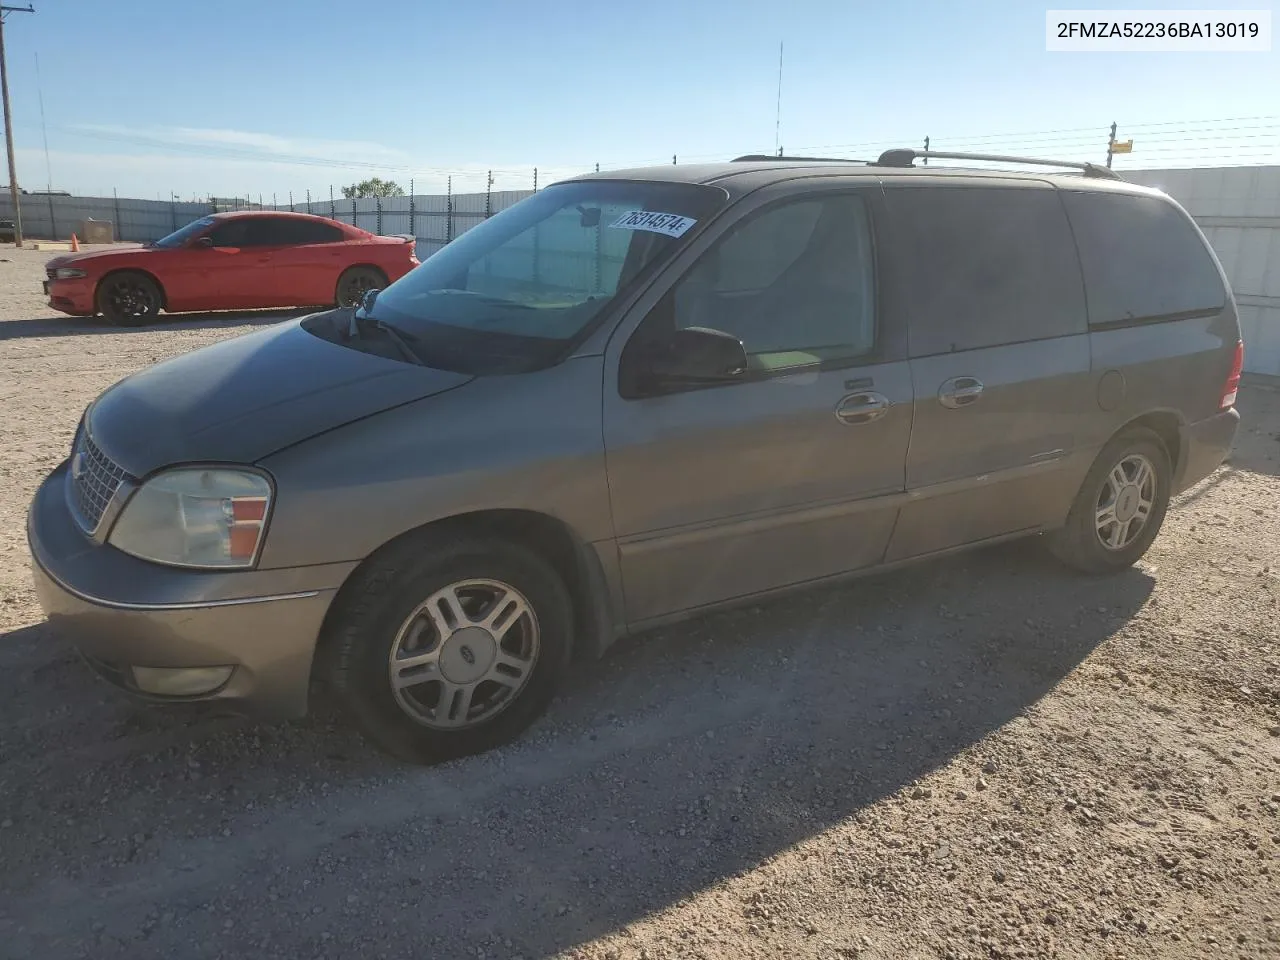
(670, 224)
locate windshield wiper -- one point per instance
(401, 338)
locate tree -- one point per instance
(373, 187)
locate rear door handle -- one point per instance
(864, 407)
(960, 392)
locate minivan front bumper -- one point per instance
(123, 613)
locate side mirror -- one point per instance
(699, 355)
(367, 301)
(204, 242)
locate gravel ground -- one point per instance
(983, 757)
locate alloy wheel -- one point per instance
(464, 654)
(1125, 502)
(131, 298)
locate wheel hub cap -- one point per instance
(1127, 503)
(467, 655)
(464, 654)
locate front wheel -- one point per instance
(439, 652)
(1120, 507)
(128, 299)
(355, 282)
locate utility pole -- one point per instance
(8, 126)
(1111, 145)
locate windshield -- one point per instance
(516, 290)
(183, 235)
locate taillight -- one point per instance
(1233, 380)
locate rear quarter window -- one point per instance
(1143, 260)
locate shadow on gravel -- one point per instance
(683, 759)
(63, 326)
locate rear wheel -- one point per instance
(355, 282)
(442, 651)
(1120, 507)
(129, 299)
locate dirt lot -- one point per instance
(986, 757)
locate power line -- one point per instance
(44, 131)
(214, 151)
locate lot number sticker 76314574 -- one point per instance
(671, 224)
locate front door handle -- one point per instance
(862, 407)
(960, 392)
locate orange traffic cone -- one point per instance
(75, 244)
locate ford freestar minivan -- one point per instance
(629, 398)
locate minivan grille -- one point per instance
(94, 480)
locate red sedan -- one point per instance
(230, 261)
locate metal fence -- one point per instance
(57, 217)
(433, 218)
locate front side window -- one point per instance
(514, 291)
(184, 235)
(1142, 259)
(252, 232)
(795, 283)
(231, 233)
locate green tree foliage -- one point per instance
(373, 187)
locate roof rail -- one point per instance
(902, 157)
(758, 157)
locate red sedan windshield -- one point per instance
(183, 235)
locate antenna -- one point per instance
(777, 122)
(44, 131)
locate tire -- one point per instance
(129, 299)
(354, 282)
(1080, 543)
(379, 614)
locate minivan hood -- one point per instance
(242, 399)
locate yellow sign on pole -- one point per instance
(1122, 146)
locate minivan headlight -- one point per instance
(206, 517)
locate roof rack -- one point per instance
(902, 157)
(758, 157)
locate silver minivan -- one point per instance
(630, 398)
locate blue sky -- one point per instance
(236, 97)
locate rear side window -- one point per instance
(305, 231)
(984, 266)
(1142, 259)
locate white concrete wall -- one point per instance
(1238, 208)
